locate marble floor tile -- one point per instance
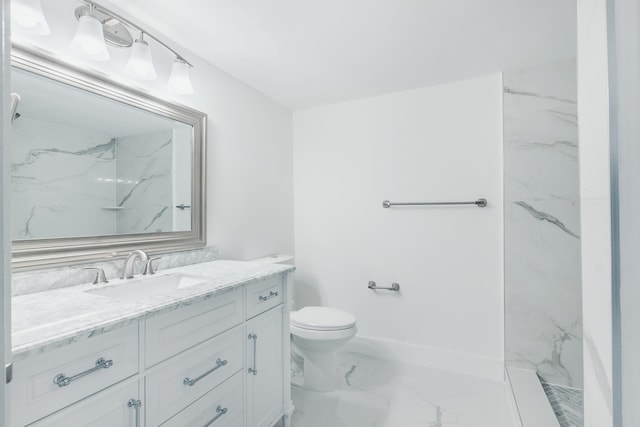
(567, 404)
(379, 393)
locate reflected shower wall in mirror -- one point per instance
(84, 165)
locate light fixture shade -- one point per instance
(140, 63)
(179, 81)
(28, 15)
(89, 39)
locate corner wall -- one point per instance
(441, 143)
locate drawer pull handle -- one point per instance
(272, 294)
(136, 404)
(62, 380)
(221, 411)
(190, 382)
(254, 370)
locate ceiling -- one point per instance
(305, 53)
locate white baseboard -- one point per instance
(530, 399)
(429, 357)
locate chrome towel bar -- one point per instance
(481, 203)
(394, 286)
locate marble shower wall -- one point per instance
(144, 186)
(88, 184)
(65, 184)
(542, 223)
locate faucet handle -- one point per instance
(148, 267)
(100, 276)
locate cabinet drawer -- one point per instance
(106, 409)
(263, 296)
(34, 392)
(176, 331)
(207, 365)
(222, 404)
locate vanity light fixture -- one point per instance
(114, 30)
(89, 39)
(140, 63)
(179, 81)
(28, 15)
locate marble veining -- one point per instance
(144, 190)
(52, 319)
(543, 311)
(41, 280)
(537, 95)
(72, 196)
(382, 393)
(543, 216)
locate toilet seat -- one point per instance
(322, 319)
(314, 335)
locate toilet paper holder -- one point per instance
(394, 286)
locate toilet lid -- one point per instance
(322, 319)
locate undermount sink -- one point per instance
(134, 289)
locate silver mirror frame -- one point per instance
(42, 253)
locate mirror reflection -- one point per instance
(85, 165)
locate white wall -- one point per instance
(593, 111)
(432, 144)
(249, 146)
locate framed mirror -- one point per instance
(99, 169)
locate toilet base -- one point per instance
(320, 372)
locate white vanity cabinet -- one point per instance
(217, 362)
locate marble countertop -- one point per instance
(46, 320)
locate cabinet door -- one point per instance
(113, 407)
(264, 368)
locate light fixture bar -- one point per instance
(129, 23)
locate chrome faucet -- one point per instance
(127, 273)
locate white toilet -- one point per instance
(317, 332)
